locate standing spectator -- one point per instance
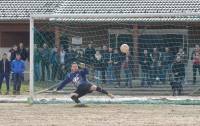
(37, 61)
(61, 63)
(167, 63)
(109, 65)
(89, 57)
(182, 55)
(18, 68)
(80, 57)
(127, 65)
(156, 65)
(13, 52)
(98, 67)
(63, 72)
(45, 61)
(69, 58)
(75, 55)
(23, 52)
(196, 62)
(54, 61)
(117, 67)
(104, 52)
(4, 72)
(178, 70)
(145, 63)
(89, 54)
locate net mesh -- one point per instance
(160, 54)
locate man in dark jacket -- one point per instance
(4, 72)
(13, 52)
(23, 52)
(18, 68)
(108, 59)
(117, 67)
(45, 61)
(37, 61)
(104, 52)
(178, 70)
(128, 65)
(98, 67)
(167, 63)
(54, 60)
(89, 54)
(145, 63)
(156, 66)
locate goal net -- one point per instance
(161, 49)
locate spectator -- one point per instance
(145, 63)
(89, 58)
(13, 52)
(104, 53)
(80, 57)
(18, 68)
(45, 61)
(98, 67)
(156, 58)
(63, 72)
(127, 65)
(182, 55)
(37, 61)
(75, 55)
(54, 61)
(109, 65)
(69, 58)
(178, 70)
(117, 67)
(196, 62)
(61, 63)
(4, 72)
(167, 63)
(23, 52)
(89, 54)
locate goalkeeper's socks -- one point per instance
(75, 99)
(102, 90)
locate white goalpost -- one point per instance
(185, 17)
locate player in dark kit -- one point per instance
(79, 80)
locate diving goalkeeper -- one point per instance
(78, 78)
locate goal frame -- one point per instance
(109, 16)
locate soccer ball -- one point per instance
(124, 48)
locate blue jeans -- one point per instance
(36, 71)
(98, 77)
(109, 71)
(128, 76)
(17, 81)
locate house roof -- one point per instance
(22, 9)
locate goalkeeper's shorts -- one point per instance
(83, 89)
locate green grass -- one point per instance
(24, 88)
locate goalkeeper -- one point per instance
(79, 80)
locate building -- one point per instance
(14, 21)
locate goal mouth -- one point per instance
(141, 32)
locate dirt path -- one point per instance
(99, 115)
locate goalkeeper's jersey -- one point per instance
(77, 78)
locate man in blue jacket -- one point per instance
(4, 72)
(17, 67)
